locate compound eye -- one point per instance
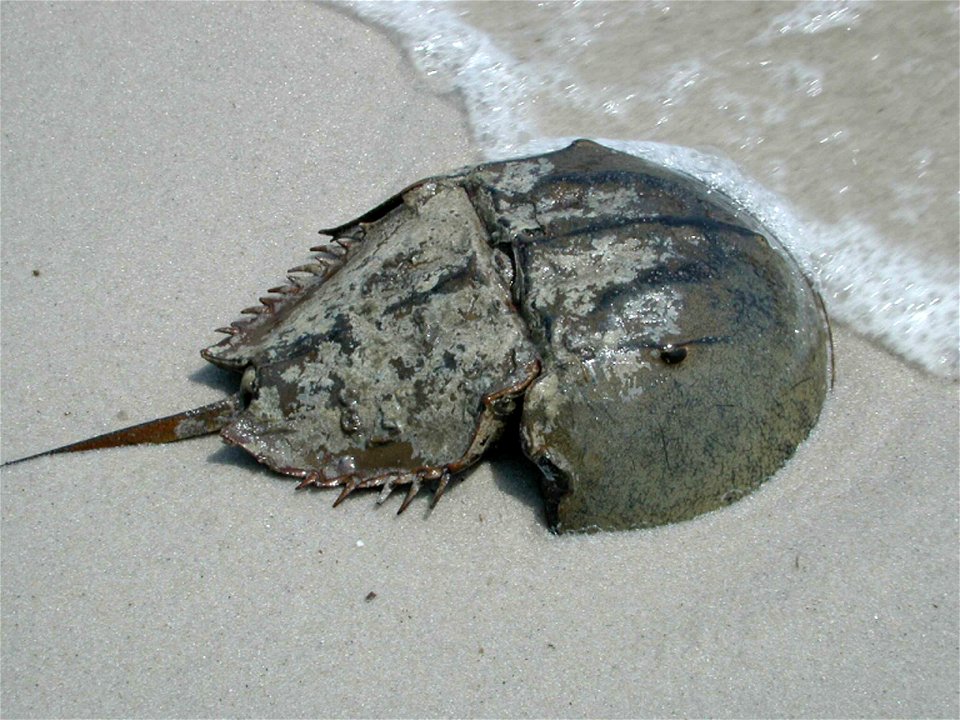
(673, 354)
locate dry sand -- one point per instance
(162, 164)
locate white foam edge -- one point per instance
(457, 56)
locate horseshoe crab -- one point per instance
(663, 353)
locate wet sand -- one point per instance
(162, 165)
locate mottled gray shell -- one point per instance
(667, 354)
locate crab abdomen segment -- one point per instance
(383, 368)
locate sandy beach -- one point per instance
(162, 165)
